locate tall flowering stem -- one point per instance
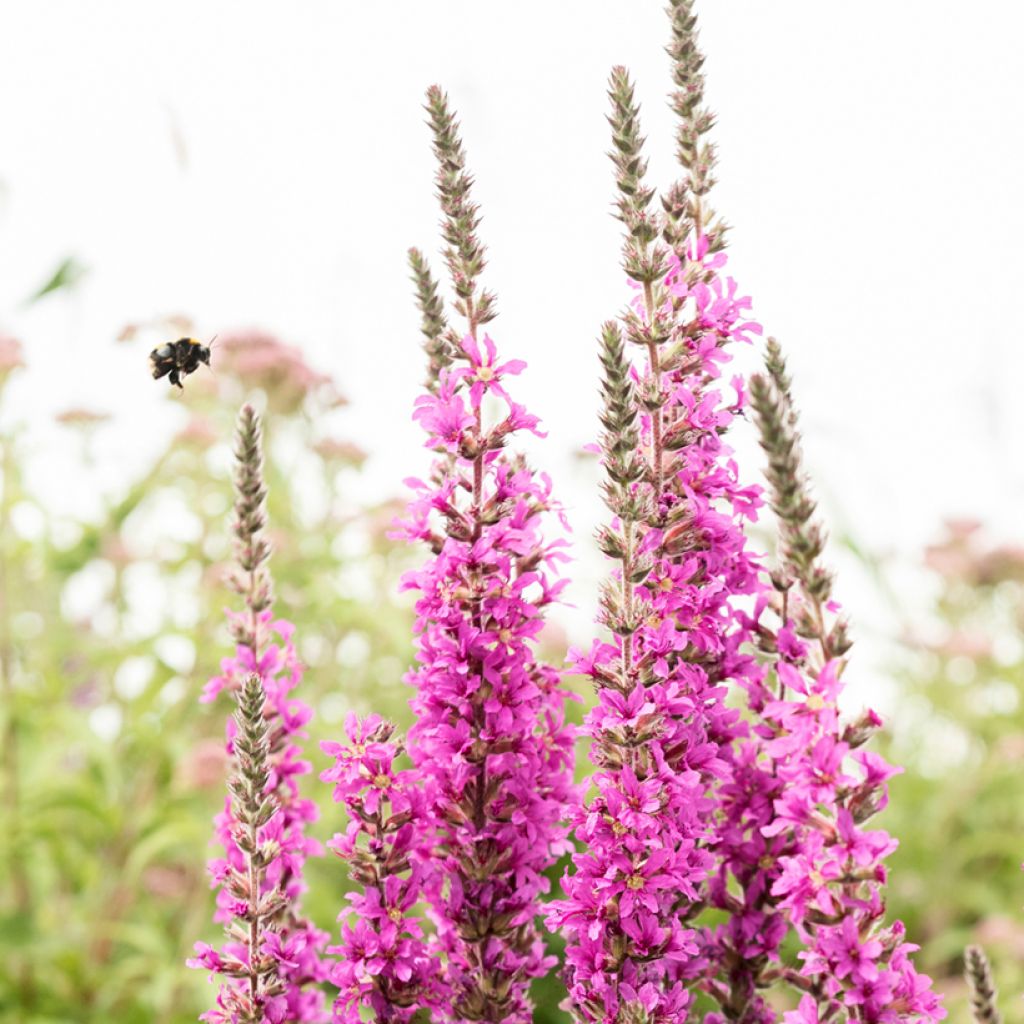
(660, 724)
(802, 789)
(260, 877)
(490, 742)
(384, 960)
(751, 850)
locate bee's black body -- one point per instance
(178, 359)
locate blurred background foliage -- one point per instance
(111, 770)
(958, 729)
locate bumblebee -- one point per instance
(178, 359)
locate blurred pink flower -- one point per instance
(205, 765)
(259, 359)
(199, 430)
(10, 354)
(80, 417)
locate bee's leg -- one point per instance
(173, 377)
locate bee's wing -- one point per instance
(160, 362)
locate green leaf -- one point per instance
(69, 273)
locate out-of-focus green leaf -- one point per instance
(958, 731)
(69, 274)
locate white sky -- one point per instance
(871, 163)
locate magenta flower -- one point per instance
(444, 416)
(804, 877)
(484, 374)
(806, 1013)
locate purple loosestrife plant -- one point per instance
(384, 960)
(822, 869)
(272, 962)
(660, 724)
(490, 742)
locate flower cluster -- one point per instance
(802, 789)
(757, 814)
(260, 876)
(808, 860)
(385, 962)
(677, 535)
(490, 742)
